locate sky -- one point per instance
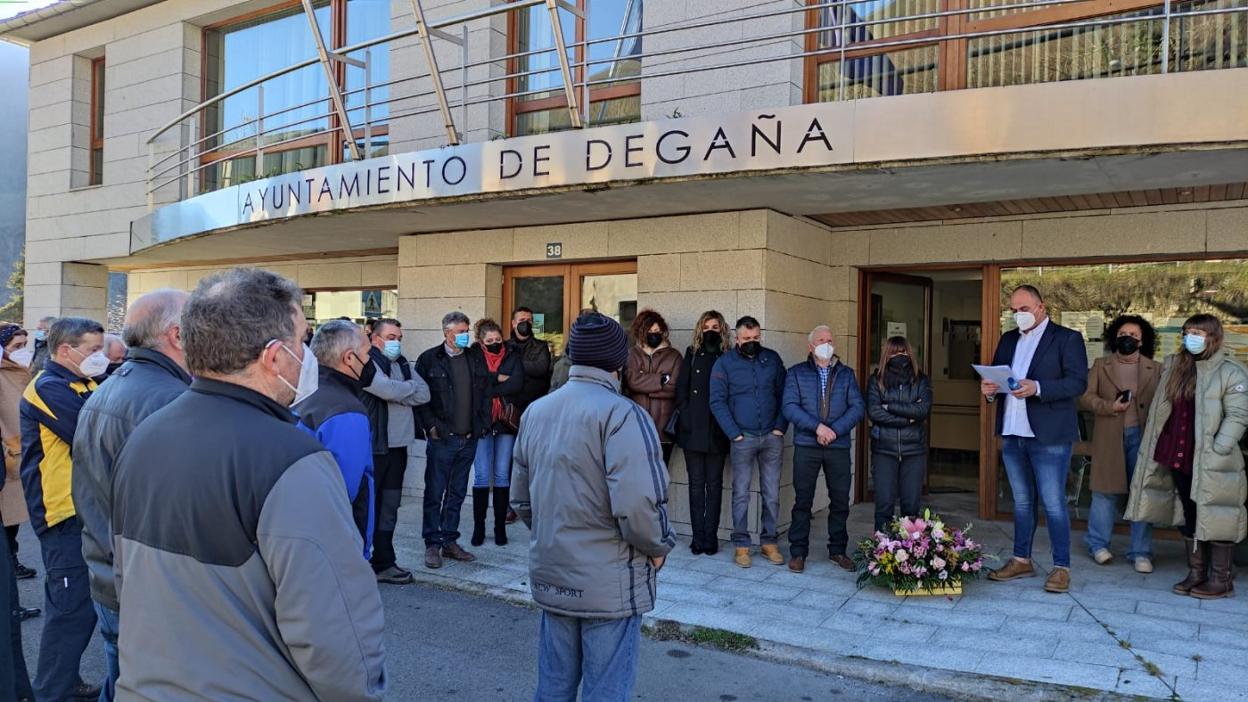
(8, 8)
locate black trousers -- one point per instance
(14, 678)
(388, 471)
(837, 474)
(706, 494)
(1183, 483)
(897, 479)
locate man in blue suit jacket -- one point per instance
(1038, 425)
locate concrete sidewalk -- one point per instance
(1116, 631)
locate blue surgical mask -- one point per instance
(393, 349)
(41, 335)
(1194, 343)
(462, 340)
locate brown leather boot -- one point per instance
(1220, 583)
(1197, 566)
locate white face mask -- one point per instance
(22, 357)
(1024, 320)
(92, 366)
(824, 352)
(309, 371)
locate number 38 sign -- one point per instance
(554, 250)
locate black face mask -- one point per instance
(367, 373)
(900, 364)
(494, 348)
(750, 349)
(711, 339)
(525, 329)
(654, 340)
(112, 368)
(1127, 345)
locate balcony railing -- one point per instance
(849, 49)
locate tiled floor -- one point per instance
(1115, 631)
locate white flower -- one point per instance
(902, 556)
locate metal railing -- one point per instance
(865, 66)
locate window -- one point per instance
(360, 305)
(540, 105)
(290, 118)
(557, 292)
(1017, 43)
(1087, 298)
(96, 176)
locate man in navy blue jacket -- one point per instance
(822, 399)
(747, 384)
(1038, 425)
(336, 416)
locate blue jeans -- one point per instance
(1038, 470)
(109, 622)
(493, 460)
(598, 655)
(764, 452)
(1106, 508)
(447, 464)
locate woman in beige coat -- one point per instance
(14, 377)
(1120, 389)
(1191, 469)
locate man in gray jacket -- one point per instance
(237, 561)
(590, 482)
(154, 376)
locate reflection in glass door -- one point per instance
(556, 293)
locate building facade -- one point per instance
(885, 168)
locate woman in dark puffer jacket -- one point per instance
(899, 401)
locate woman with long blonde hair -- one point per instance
(698, 434)
(1193, 469)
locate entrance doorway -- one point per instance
(940, 313)
(557, 292)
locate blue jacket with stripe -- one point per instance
(49, 412)
(336, 416)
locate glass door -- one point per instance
(898, 305)
(556, 293)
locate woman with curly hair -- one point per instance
(1121, 386)
(652, 371)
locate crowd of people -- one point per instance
(210, 472)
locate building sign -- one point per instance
(801, 136)
(554, 250)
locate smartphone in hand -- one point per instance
(1124, 396)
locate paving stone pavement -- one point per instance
(1115, 631)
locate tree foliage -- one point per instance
(12, 311)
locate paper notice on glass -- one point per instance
(998, 375)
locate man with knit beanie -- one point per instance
(590, 483)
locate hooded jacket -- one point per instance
(802, 406)
(747, 394)
(1219, 486)
(590, 483)
(899, 416)
(238, 564)
(146, 382)
(338, 419)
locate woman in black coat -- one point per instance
(899, 401)
(698, 434)
(492, 463)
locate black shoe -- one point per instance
(696, 549)
(85, 691)
(22, 572)
(24, 613)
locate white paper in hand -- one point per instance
(998, 375)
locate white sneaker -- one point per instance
(1143, 565)
(1102, 556)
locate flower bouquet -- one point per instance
(919, 556)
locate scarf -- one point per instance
(494, 361)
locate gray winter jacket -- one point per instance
(589, 480)
(146, 382)
(238, 563)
